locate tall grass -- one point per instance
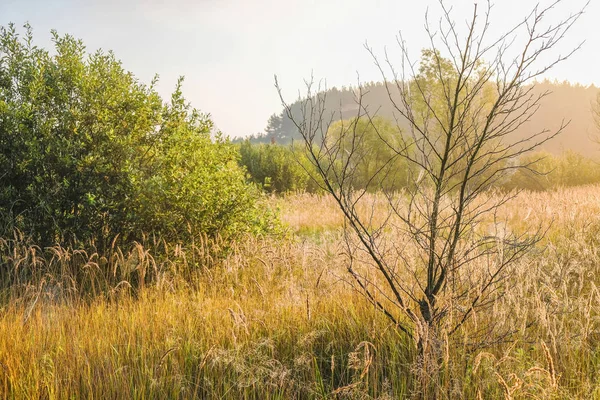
(275, 318)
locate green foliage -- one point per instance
(431, 92)
(278, 169)
(547, 171)
(86, 150)
(367, 152)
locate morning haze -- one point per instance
(321, 209)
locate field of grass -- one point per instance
(268, 318)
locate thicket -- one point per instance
(284, 169)
(88, 152)
(550, 171)
(277, 169)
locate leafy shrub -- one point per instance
(278, 169)
(550, 171)
(88, 151)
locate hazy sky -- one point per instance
(229, 50)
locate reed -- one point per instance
(274, 318)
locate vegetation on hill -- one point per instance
(567, 101)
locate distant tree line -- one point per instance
(568, 160)
(281, 168)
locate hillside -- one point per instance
(566, 101)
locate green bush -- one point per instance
(278, 169)
(87, 151)
(548, 171)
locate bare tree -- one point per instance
(433, 257)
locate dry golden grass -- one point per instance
(274, 318)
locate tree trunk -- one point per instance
(429, 362)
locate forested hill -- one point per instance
(568, 102)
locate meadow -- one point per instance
(274, 317)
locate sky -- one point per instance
(230, 50)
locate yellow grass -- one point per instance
(275, 318)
